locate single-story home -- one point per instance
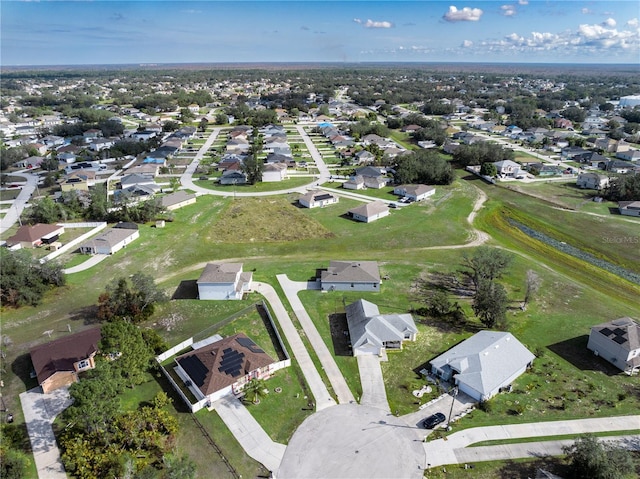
(30, 236)
(507, 168)
(177, 199)
(629, 208)
(223, 367)
(223, 281)
(351, 276)
(618, 342)
(369, 212)
(57, 363)
(592, 181)
(274, 172)
(372, 333)
(110, 241)
(483, 364)
(317, 198)
(355, 183)
(414, 192)
(233, 177)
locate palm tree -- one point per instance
(254, 390)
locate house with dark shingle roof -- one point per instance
(57, 363)
(223, 281)
(351, 276)
(618, 342)
(373, 333)
(30, 236)
(223, 367)
(483, 364)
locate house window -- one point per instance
(84, 364)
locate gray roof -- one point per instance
(109, 237)
(624, 331)
(485, 360)
(415, 190)
(368, 327)
(370, 209)
(176, 198)
(351, 271)
(220, 273)
(316, 195)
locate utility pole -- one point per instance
(454, 393)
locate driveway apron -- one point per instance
(373, 392)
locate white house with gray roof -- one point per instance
(373, 333)
(618, 342)
(223, 281)
(369, 212)
(351, 276)
(110, 241)
(483, 364)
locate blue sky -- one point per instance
(115, 32)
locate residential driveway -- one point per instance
(352, 441)
(374, 393)
(317, 386)
(39, 412)
(13, 213)
(89, 263)
(253, 439)
(291, 289)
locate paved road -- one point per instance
(325, 174)
(253, 439)
(13, 213)
(442, 451)
(317, 386)
(39, 412)
(291, 290)
(374, 393)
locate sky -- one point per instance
(209, 31)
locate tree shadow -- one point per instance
(574, 350)
(22, 367)
(525, 470)
(340, 334)
(187, 289)
(88, 315)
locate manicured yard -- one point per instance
(291, 183)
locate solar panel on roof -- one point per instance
(249, 344)
(196, 370)
(231, 362)
(619, 331)
(620, 339)
(605, 331)
(326, 196)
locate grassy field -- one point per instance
(291, 183)
(272, 236)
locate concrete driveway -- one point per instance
(374, 393)
(39, 412)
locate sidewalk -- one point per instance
(39, 412)
(291, 289)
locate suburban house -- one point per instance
(223, 281)
(135, 179)
(351, 276)
(317, 198)
(618, 342)
(373, 333)
(233, 177)
(177, 200)
(223, 367)
(57, 363)
(592, 181)
(369, 212)
(110, 241)
(507, 168)
(274, 172)
(483, 364)
(355, 183)
(629, 208)
(31, 236)
(414, 192)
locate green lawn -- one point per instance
(291, 183)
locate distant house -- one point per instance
(629, 208)
(369, 212)
(177, 200)
(317, 198)
(618, 342)
(355, 183)
(483, 364)
(30, 236)
(110, 241)
(592, 181)
(223, 367)
(351, 276)
(372, 333)
(223, 281)
(507, 168)
(414, 192)
(136, 179)
(57, 363)
(233, 177)
(274, 172)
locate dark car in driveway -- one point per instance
(433, 420)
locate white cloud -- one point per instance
(586, 11)
(633, 23)
(465, 15)
(523, 2)
(609, 22)
(373, 24)
(467, 44)
(508, 10)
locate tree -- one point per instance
(13, 463)
(179, 467)
(591, 458)
(487, 264)
(129, 299)
(95, 400)
(221, 118)
(532, 284)
(174, 183)
(490, 304)
(131, 356)
(488, 169)
(253, 167)
(45, 210)
(254, 390)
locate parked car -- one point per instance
(433, 420)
